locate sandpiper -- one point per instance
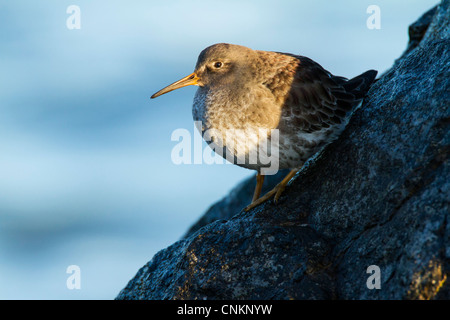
(246, 92)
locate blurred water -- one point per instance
(86, 176)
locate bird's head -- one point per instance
(221, 64)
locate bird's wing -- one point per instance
(314, 99)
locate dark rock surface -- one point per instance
(377, 196)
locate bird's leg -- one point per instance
(258, 188)
(277, 191)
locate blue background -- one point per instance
(86, 176)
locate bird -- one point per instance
(253, 104)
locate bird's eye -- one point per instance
(218, 64)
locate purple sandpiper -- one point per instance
(245, 92)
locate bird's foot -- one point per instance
(277, 191)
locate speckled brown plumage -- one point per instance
(307, 104)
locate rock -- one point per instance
(417, 30)
(378, 196)
(237, 199)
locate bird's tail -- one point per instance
(359, 85)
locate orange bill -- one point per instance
(186, 81)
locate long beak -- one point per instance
(186, 81)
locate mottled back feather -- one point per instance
(313, 96)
